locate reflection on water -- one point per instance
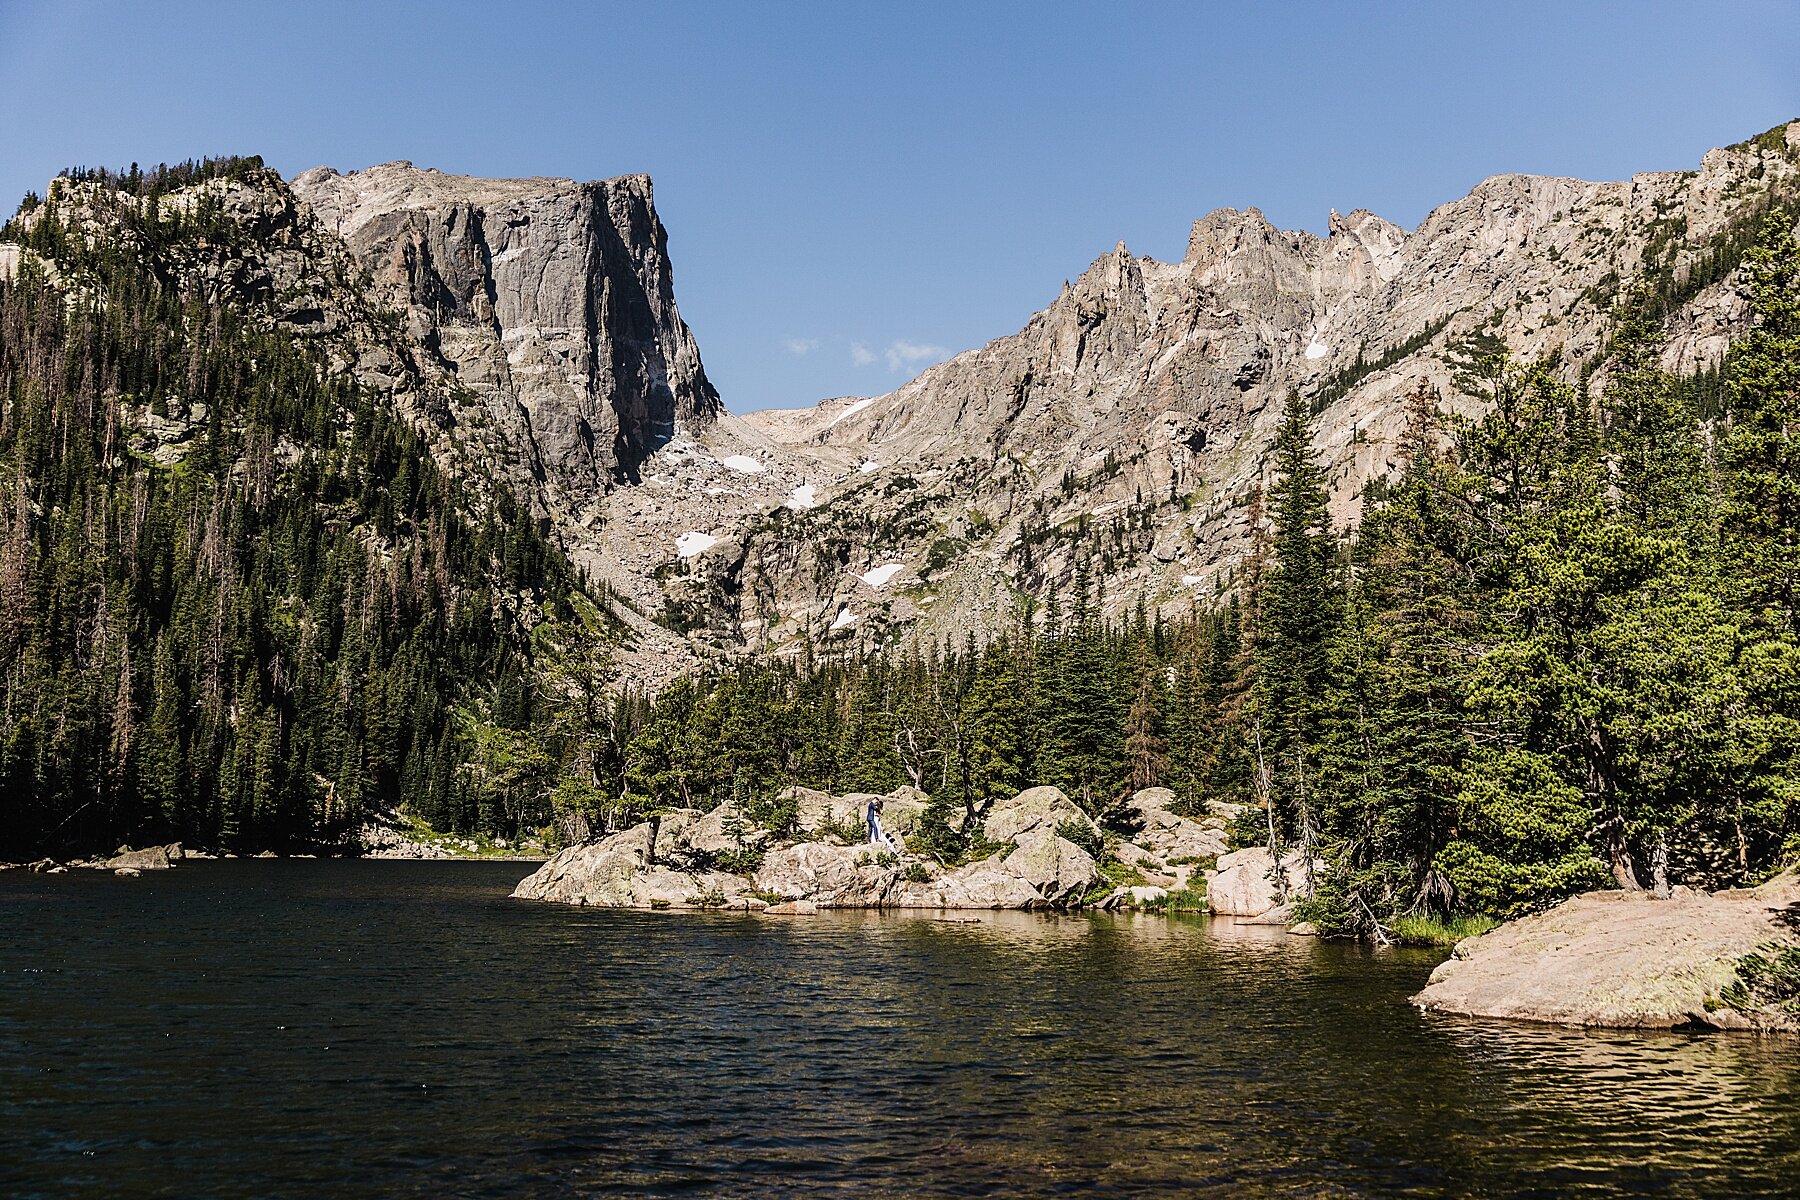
(292, 1028)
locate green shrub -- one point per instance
(844, 832)
(1192, 899)
(1083, 833)
(740, 861)
(917, 872)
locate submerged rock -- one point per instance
(1619, 959)
(793, 908)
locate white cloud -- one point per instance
(902, 353)
(799, 346)
(861, 354)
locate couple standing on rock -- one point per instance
(878, 836)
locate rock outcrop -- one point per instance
(1243, 884)
(1621, 960)
(678, 860)
(153, 858)
(1035, 810)
(1136, 410)
(1060, 870)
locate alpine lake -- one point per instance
(278, 1028)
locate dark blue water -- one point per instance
(270, 1028)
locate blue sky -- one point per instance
(854, 190)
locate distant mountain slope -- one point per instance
(1123, 430)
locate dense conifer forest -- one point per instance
(257, 641)
(1560, 649)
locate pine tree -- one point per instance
(1299, 611)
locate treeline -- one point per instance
(239, 606)
(1560, 649)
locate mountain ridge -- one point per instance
(1115, 442)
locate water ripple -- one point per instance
(402, 1029)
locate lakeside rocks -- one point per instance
(677, 860)
(154, 858)
(1620, 960)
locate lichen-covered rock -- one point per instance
(154, 858)
(987, 883)
(632, 869)
(723, 830)
(1032, 810)
(1058, 868)
(830, 876)
(1169, 836)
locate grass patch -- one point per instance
(1188, 900)
(1435, 931)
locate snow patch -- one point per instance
(869, 467)
(1316, 350)
(1191, 580)
(881, 576)
(743, 464)
(849, 412)
(691, 543)
(803, 498)
(845, 619)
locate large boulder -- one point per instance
(830, 876)
(847, 814)
(988, 883)
(1243, 883)
(1032, 810)
(813, 809)
(723, 830)
(599, 873)
(155, 858)
(631, 869)
(1621, 960)
(1058, 868)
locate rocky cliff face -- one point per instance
(552, 300)
(1126, 426)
